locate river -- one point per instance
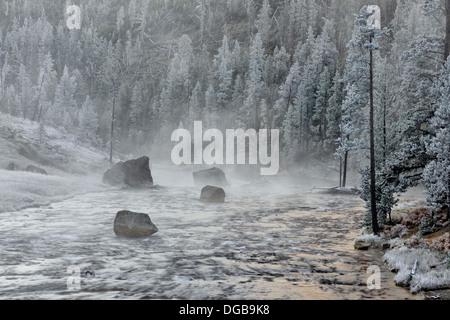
(267, 241)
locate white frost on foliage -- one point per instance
(425, 278)
(369, 238)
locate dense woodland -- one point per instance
(138, 69)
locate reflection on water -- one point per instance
(263, 243)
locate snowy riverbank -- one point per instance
(73, 167)
(420, 260)
(20, 190)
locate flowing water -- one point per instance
(265, 242)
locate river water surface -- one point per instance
(267, 241)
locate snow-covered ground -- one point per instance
(73, 167)
(21, 190)
(431, 272)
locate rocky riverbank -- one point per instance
(416, 246)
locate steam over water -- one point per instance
(268, 241)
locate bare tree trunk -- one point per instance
(36, 109)
(111, 147)
(373, 200)
(344, 176)
(447, 30)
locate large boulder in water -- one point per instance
(129, 224)
(35, 169)
(134, 173)
(212, 194)
(213, 176)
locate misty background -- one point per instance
(139, 69)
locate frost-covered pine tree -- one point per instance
(88, 122)
(26, 94)
(223, 74)
(196, 104)
(288, 90)
(417, 58)
(236, 57)
(175, 94)
(64, 110)
(44, 86)
(264, 21)
(264, 115)
(42, 132)
(333, 113)
(298, 20)
(350, 139)
(281, 64)
(238, 94)
(211, 109)
(254, 84)
(436, 176)
(320, 109)
(4, 70)
(290, 140)
(286, 115)
(305, 49)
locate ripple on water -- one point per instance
(283, 245)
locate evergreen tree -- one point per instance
(211, 109)
(223, 73)
(196, 104)
(333, 113)
(64, 111)
(88, 120)
(321, 107)
(254, 84)
(25, 91)
(43, 89)
(437, 172)
(264, 21)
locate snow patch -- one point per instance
(403, 259)
(22, 190)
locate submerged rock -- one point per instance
(35, 169)
(213, 176)
(129, 224)
(134, 173)
(212, 194)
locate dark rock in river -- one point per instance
(12, 167)
(213, 176)
(35, 169)
(133, 173)
(129, 224)
(212, 194)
